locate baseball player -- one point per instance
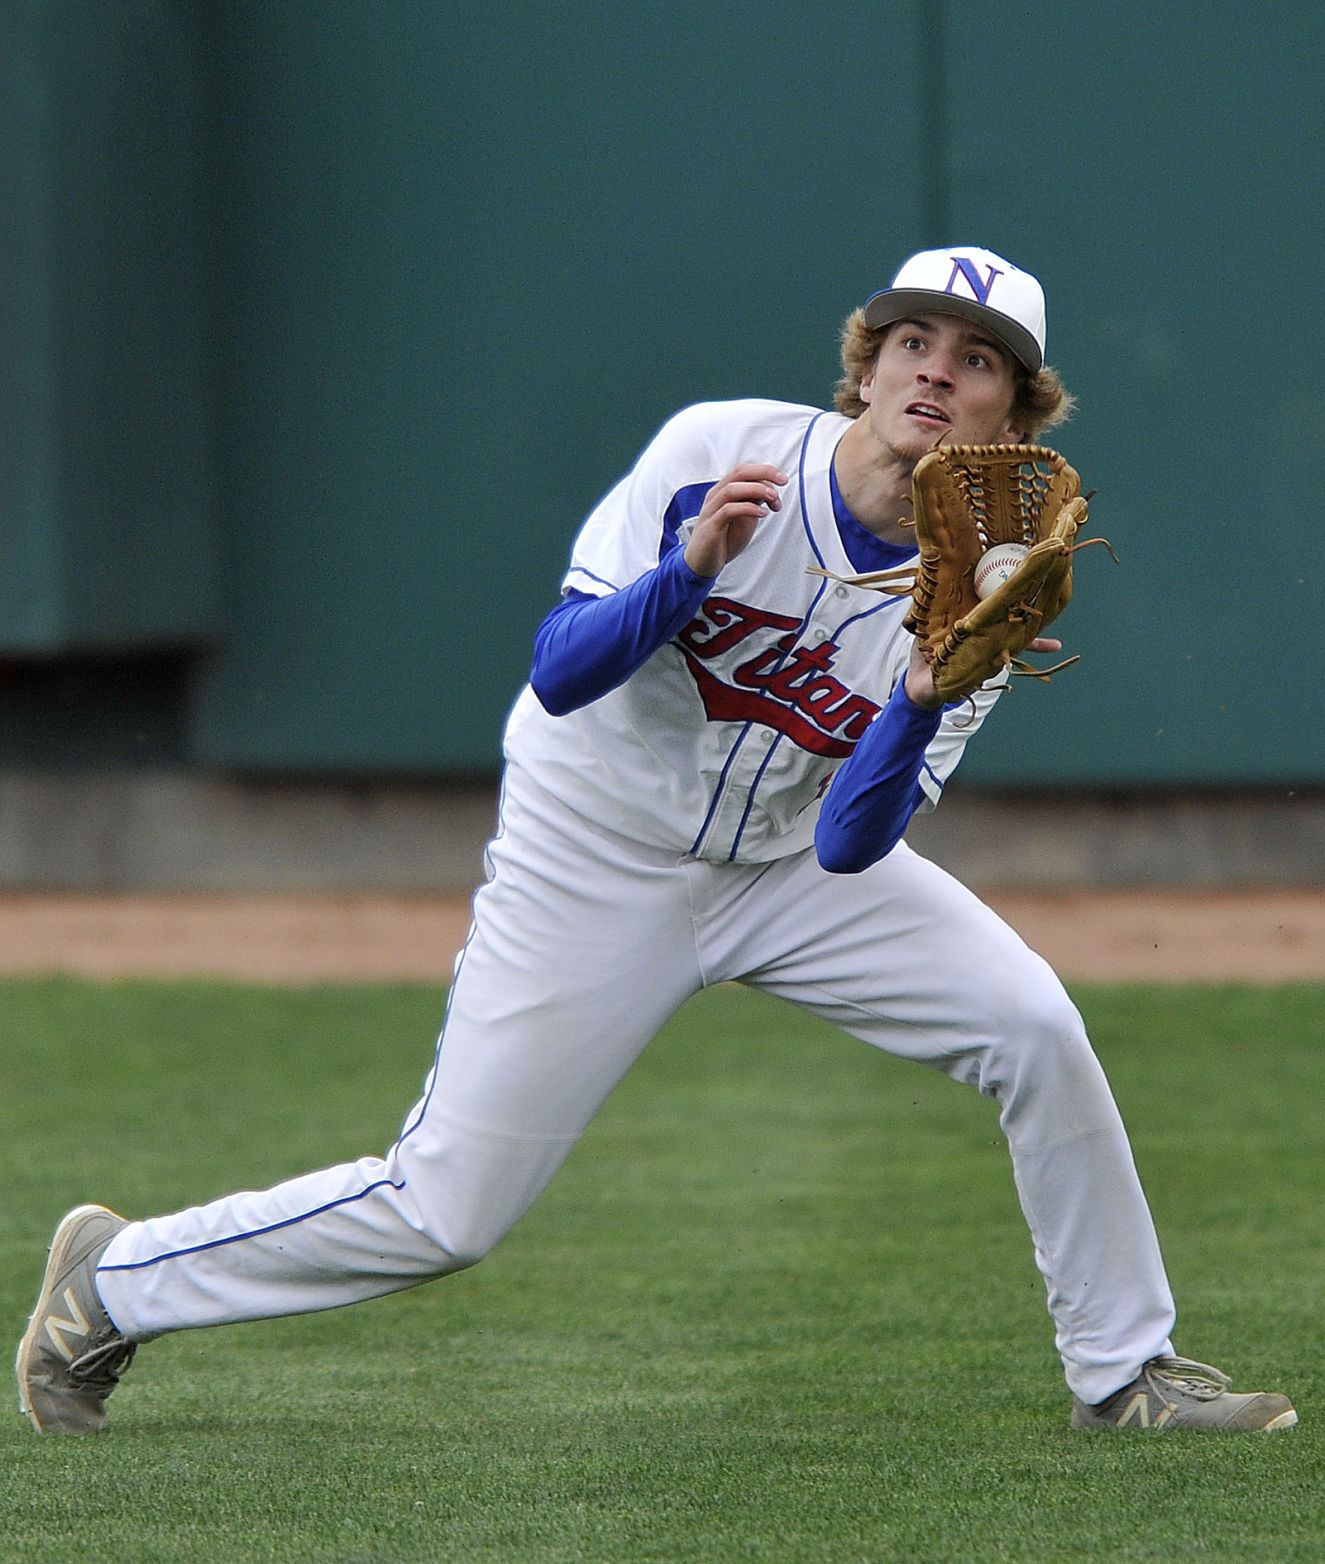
(667, 822)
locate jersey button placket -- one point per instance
(730, 815)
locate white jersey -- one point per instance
(723, 744)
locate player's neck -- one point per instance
(875, 484)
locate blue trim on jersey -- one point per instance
(867, 613)
(746, 730)
(579, 570)
(685, 505)
(865, 553)
(881, 607)
(750, 795)
(800, 484)
(719, 787)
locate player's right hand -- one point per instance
(731, 511)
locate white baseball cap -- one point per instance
(975, 284)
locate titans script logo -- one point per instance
(749, 667)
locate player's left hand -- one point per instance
(920, 689)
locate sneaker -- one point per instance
(71, 1357)
(1177, 1393)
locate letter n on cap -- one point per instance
(966, 268)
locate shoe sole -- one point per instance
(1284, 1420)
(56, 1263)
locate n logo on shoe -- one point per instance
(1137, 1413)
(77, 1326)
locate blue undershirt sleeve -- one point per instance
(589, 645)
(877, 788)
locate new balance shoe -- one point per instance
(71, 1356)
(1177, 1393)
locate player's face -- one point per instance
(939, 378)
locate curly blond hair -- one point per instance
(1040, 399)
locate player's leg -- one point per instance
(908, 959)
(579, 952)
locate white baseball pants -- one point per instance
(583, 944)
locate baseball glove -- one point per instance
(967, 499)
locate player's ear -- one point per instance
(1014, 431)
(866, 387)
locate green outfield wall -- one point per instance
(322, 325)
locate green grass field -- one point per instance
(779, 1305)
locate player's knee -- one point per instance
(459, 1260)
(461, 1242)
(460, 1248)
(1050, 1017)
(1043, 1071)
(1035, 1032)
(1025, 998)
(466, 1189)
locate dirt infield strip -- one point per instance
(1159, 936)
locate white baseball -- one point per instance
(995, 565)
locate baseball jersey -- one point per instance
(723, 743)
